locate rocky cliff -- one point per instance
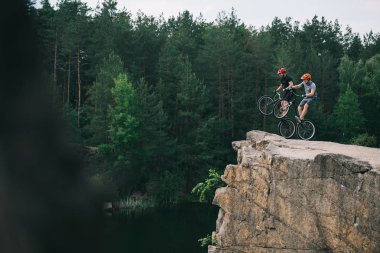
(298, 196)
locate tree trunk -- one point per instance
(255, 115)
(221, 94)
(79, 85)
(68, 78)
(231, 91)
(265, 92)
(55, 60)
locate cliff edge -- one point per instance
(298, 196)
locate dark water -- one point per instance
(160, 230)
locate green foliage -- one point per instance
(351, 75)
(370, 94)
(123, 134)
(155, 146)
(347, 117)
(169, 186)
(206, 189)
(187, 88)
(124, 120)
(131, 203)
(69, 116)
(364, 140)
(100, 98)
(208, 240)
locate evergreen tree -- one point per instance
(186, 33)
(353, 46)
(146, 41)
(123, 135)
(370, 93)
(103, 32)
(100, 98)
(347, 118)
(156, 148)
(351, 75)
(72, 23)
(371, 43)
(192, 150)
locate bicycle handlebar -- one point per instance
(291, 90)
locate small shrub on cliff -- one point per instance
(208, 240)
(206, 189)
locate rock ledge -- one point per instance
(298, 196)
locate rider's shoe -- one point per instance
(298, 119)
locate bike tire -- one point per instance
(306, 130)
(286, 128)
(265, 105)
(281, 108)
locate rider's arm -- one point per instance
(279, 88)
(312, 93)
(297, 86)
(291, 85)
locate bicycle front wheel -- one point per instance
(286, 128)
(281, 108)
(305, 130)
(265, 105)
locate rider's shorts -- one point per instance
(309, 101)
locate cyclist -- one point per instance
(286, 82)
(309, 98)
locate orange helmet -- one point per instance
(306, 76)
(281, 71)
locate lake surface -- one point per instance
(160, 230)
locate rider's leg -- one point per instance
(300, 110)
(283, 104)
(304, 111)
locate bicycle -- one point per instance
(305, 129)
(281, 107)
(266, 103)
(286, 127)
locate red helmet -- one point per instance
(281, 71)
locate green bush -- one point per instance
(364, 140)
(206, 190)
(208, 240)
(168, 188)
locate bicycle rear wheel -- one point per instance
(286, 128)
(281, 108)
(305, 130)
(265, 105)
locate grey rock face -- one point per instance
(299, 196)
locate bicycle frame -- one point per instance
(281, 108)
(294, 101)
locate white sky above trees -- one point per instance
(361, 15)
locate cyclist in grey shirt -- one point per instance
(310, 96)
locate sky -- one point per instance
(361, 15)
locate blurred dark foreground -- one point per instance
(45, 203)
